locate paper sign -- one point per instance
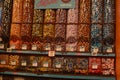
(35, 64)
(58, 48)
(54, 4)
(23, 63)
(12, 46)
(1, 46)
(51, 53)
(58, 65)
(109, 50)
(9, 50)
(82, 48)
(34, 47)
(45, 64)
(94, 66)
(95, 50)
(13, 63)
(24, 47)
(47, 47)
(3, 62)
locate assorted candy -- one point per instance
(108, 66)
(81, 66)
(78, 29)
(83, 38)
(109, 11)
(71, 37)
(61, 16)
(96, 16)
(15, 36)
(89, 27)
(27, 11)
(26, 36)
(96, 37)
(95, 65)
(3, 61)
(17, 11)
(13, 62)
(108, 38)
(42, 64)
(84, 11)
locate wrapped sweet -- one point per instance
(83, 38)
(108, 66)
(15, 36)
(82, 66)
(95, 66)
(26, 36)
(71, 38)
(84, 11)
(60, 37)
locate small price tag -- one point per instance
(95, 51)
(82, 48)
(94, 66)
(51, 53)
(58, 48)
(9, 50)
(1, 46)
(12, 46)
(3, 62)
(109, 50)
(58, 65)
(47, 47)
(13, 63)
(35, 64)
(24, 63)
(24, 47)
(34, 47)
(70, 48)
(45, 64)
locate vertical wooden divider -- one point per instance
(118, 39)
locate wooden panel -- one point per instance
(118, 39)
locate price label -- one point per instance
(82, 48)
(45, 64)
(35, 64)
(51, 53)
(94, 66)
(34, 47)
(58, 65)
(24, 63)
(9, 50)
(3, 62)
(12, 46)
(58, 48)
(1, 46)
(24, 47)
(70, 48)
(95, 50)
(13, 63)
(109, 50)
